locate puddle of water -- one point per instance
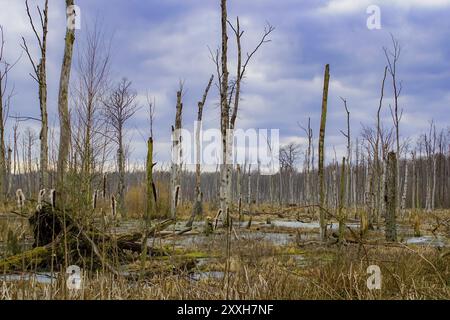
(308, 225)
(45, 278)
(428, 241)
(295, 224)
(276, 238)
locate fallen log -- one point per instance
(60, 239)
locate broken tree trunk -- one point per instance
(176, 157)
(198, 208)
(323, 120)
(391, 197)
(341, 215)
(62, 240)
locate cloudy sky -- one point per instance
(157, 43)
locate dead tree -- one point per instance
(5, 100)
(198, 207)
(88, 92)
(430, 149)
(405, 186)
(151, 195)
(151, 191)
(341, 214)
(63, 104)
(175, 174)
(307, 164)
(223, 77)
(289, 156)
(239, 191)
(391, 198)
(16, 159)
(323, 120)
(8, 171)
(230, 96)
(379, 183)
(347, 135)
(40, 76)
(392, 58)
(118, 107)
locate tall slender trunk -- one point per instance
(43, 136)
(224, 115)
(8, 169)
(176, 158)
(323, 120)
(2, 143)
(63, 107)
(405, 189)
(341, 214)
(198, 207)
(149, 175)
(121, 167)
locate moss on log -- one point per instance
(61, 234)
(31, 259)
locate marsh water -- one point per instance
(279, 233)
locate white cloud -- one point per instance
(352, 6)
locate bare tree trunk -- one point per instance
(291, 187)
(8, 169)
(392, 60)
(198, 206)
(405, 189)
(176, 158)
(323, 222)
(341, 214)
(308, 163)
(121, 168)
(149, 175)
(378, 183)
(356, 180)
(63, 107)
(249, 185)
(347, 135)
(30, 167)
(258, 175)
(414, 181)
(239, 192)
(224, 114)
(280, 188)
(41, 77)
(391, 198)
(433, 187)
